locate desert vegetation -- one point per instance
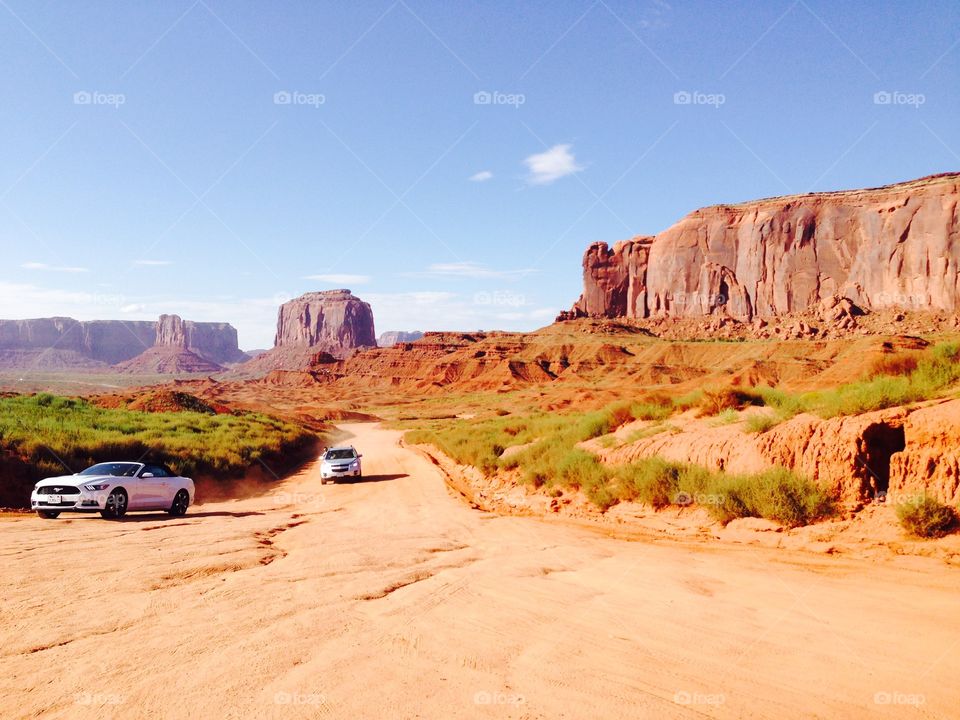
(43, 435)
(926, 517)
(544, 449)
(897, 379)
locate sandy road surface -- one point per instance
(389, 598)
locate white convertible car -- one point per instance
(113, 488)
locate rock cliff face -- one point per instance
(215, 342)
(392, 337)
(891, 247)
(333, 321)
(65, 343)
(330, 323)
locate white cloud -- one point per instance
(481, 176)
(153, 263)
(473, 270)
(340, 279)
(53, 268)
(551, 165)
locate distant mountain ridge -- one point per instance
(64, 343)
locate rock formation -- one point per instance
(392, 337)
(892, 247)
(332, 320)
(328, 323)
(64, 343)
(171, 351)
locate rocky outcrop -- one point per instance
(65, 343)
(930, 461)
(892, 247)
(313, 327)
(334, 321)
(857, 458)
(167, 360)
(392, 337)
(185, 347)
(614, 280)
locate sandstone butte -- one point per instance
(171, 351)
(328, 323)
(896, 246)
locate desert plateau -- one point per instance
(426, 360)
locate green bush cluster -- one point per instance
(926, 517)
(548, 456)
(50, 432)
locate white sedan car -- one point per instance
(113, 488)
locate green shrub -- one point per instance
(775, 494)
(760, 423)
(926, 517)
(727, 417)
(657, 408)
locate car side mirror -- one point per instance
(359, 456)
(146, 475)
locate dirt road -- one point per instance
(389, 598)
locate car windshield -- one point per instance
(340, 455)
(117, 469)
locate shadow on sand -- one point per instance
(369, 479)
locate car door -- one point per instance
(151, 488)
(166, 486)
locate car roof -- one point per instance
(340, 447)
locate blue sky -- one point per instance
(447, 161)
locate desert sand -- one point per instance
(392, 598)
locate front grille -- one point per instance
(58, 490)
(341, 468)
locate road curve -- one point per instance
(390, 598)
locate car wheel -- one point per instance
(116, 505)
(180, 504)
(48, 514)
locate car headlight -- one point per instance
(97, 486)
(355, 463)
